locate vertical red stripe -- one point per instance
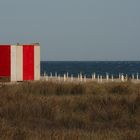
(5, 58)
(28, 62)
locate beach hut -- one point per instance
(20, 62)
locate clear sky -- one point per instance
(74, 29)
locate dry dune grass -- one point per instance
(70, 111)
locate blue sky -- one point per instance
(74, 29)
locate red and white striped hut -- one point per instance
(20, 62)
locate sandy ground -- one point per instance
(74, 79)
(69, 79)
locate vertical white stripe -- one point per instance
(19, 63)
(36, 62)
(13, 63)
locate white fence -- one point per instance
(94, 77)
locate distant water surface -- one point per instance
(89, 67)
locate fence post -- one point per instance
(51, 75)
(85, 78)
(64, 77)
(93, 76)
(78, 77)
(107, 76)
(98, 78)
(56, 75)
(133, 77)
(46, 78)
(112, 77)
(119, 76)
(122, 78)
(101, 78)
(44, 75)
(67, 75)
(137, 76)
(81, 77)
(71, 78)
(59, 78)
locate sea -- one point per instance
(89, 67)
